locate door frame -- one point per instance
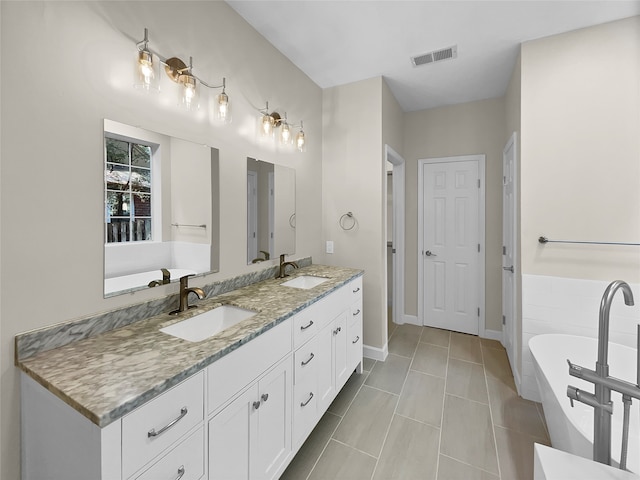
(512, 143)
(398, 197)
(481, 160)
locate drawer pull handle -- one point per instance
(304, 404)
(337, 330)
(256, 405)
(303, 363)
(356, 290)
(265, 397)
(180, 472)
(356, 340)
(304, 327)
(357, 312)
(152, 433)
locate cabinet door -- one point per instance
(230, 438)
(342, 371)
(326, 384)
(272, 447)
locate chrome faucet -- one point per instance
(185, 290)
(283, 267)
(604, 384)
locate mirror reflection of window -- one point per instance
(128, 190)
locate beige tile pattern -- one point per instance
(450, 469)
(410, 451)
(365, 425)
(448, 412)
(404, 340)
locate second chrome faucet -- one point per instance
(185, 290)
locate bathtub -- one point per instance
(138, 280)
(571, 429)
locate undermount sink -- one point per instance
(304, 281)
(207, 324)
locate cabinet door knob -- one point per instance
(337, 330)
(152, 433)
(265, 397)
(256, 405)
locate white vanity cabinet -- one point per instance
(242, 417)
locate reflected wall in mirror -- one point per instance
(161, 208)
(271, 210)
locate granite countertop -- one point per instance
(108, 375)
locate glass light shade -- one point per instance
(266, 125)
(285, 134)
(189, 94)
(301, 142)
(146, 72)
(222, 108)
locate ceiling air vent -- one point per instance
(435, 56)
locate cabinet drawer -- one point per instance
(227, 376)
(355, 289)
(305, 361)
(186, 459)
(305, 326)
(156, 425)
(354, 336)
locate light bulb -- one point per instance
(285, 134)
(301, 143)
(223, 111)
(189, 98)
(267, 125)
(146, 78)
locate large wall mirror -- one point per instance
(271, 210)
(161, 208)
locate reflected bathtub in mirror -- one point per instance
(271, 210)
(161, 208)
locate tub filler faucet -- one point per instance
(185, 290)
(604, 384)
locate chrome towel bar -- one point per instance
(544, 240)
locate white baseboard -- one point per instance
(492, 335)
(375, 353)
(411, 320)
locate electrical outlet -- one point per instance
(329, 246)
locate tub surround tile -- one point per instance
(110, 374)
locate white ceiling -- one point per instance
(338, 42)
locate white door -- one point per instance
(252, 215)
(509, 246)
(451, 247)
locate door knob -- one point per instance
(508, 269)
(429, 254)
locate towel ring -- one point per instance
(343, 221)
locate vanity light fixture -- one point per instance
(182, 74)
(270, 121)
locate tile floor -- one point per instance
(442, 406)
